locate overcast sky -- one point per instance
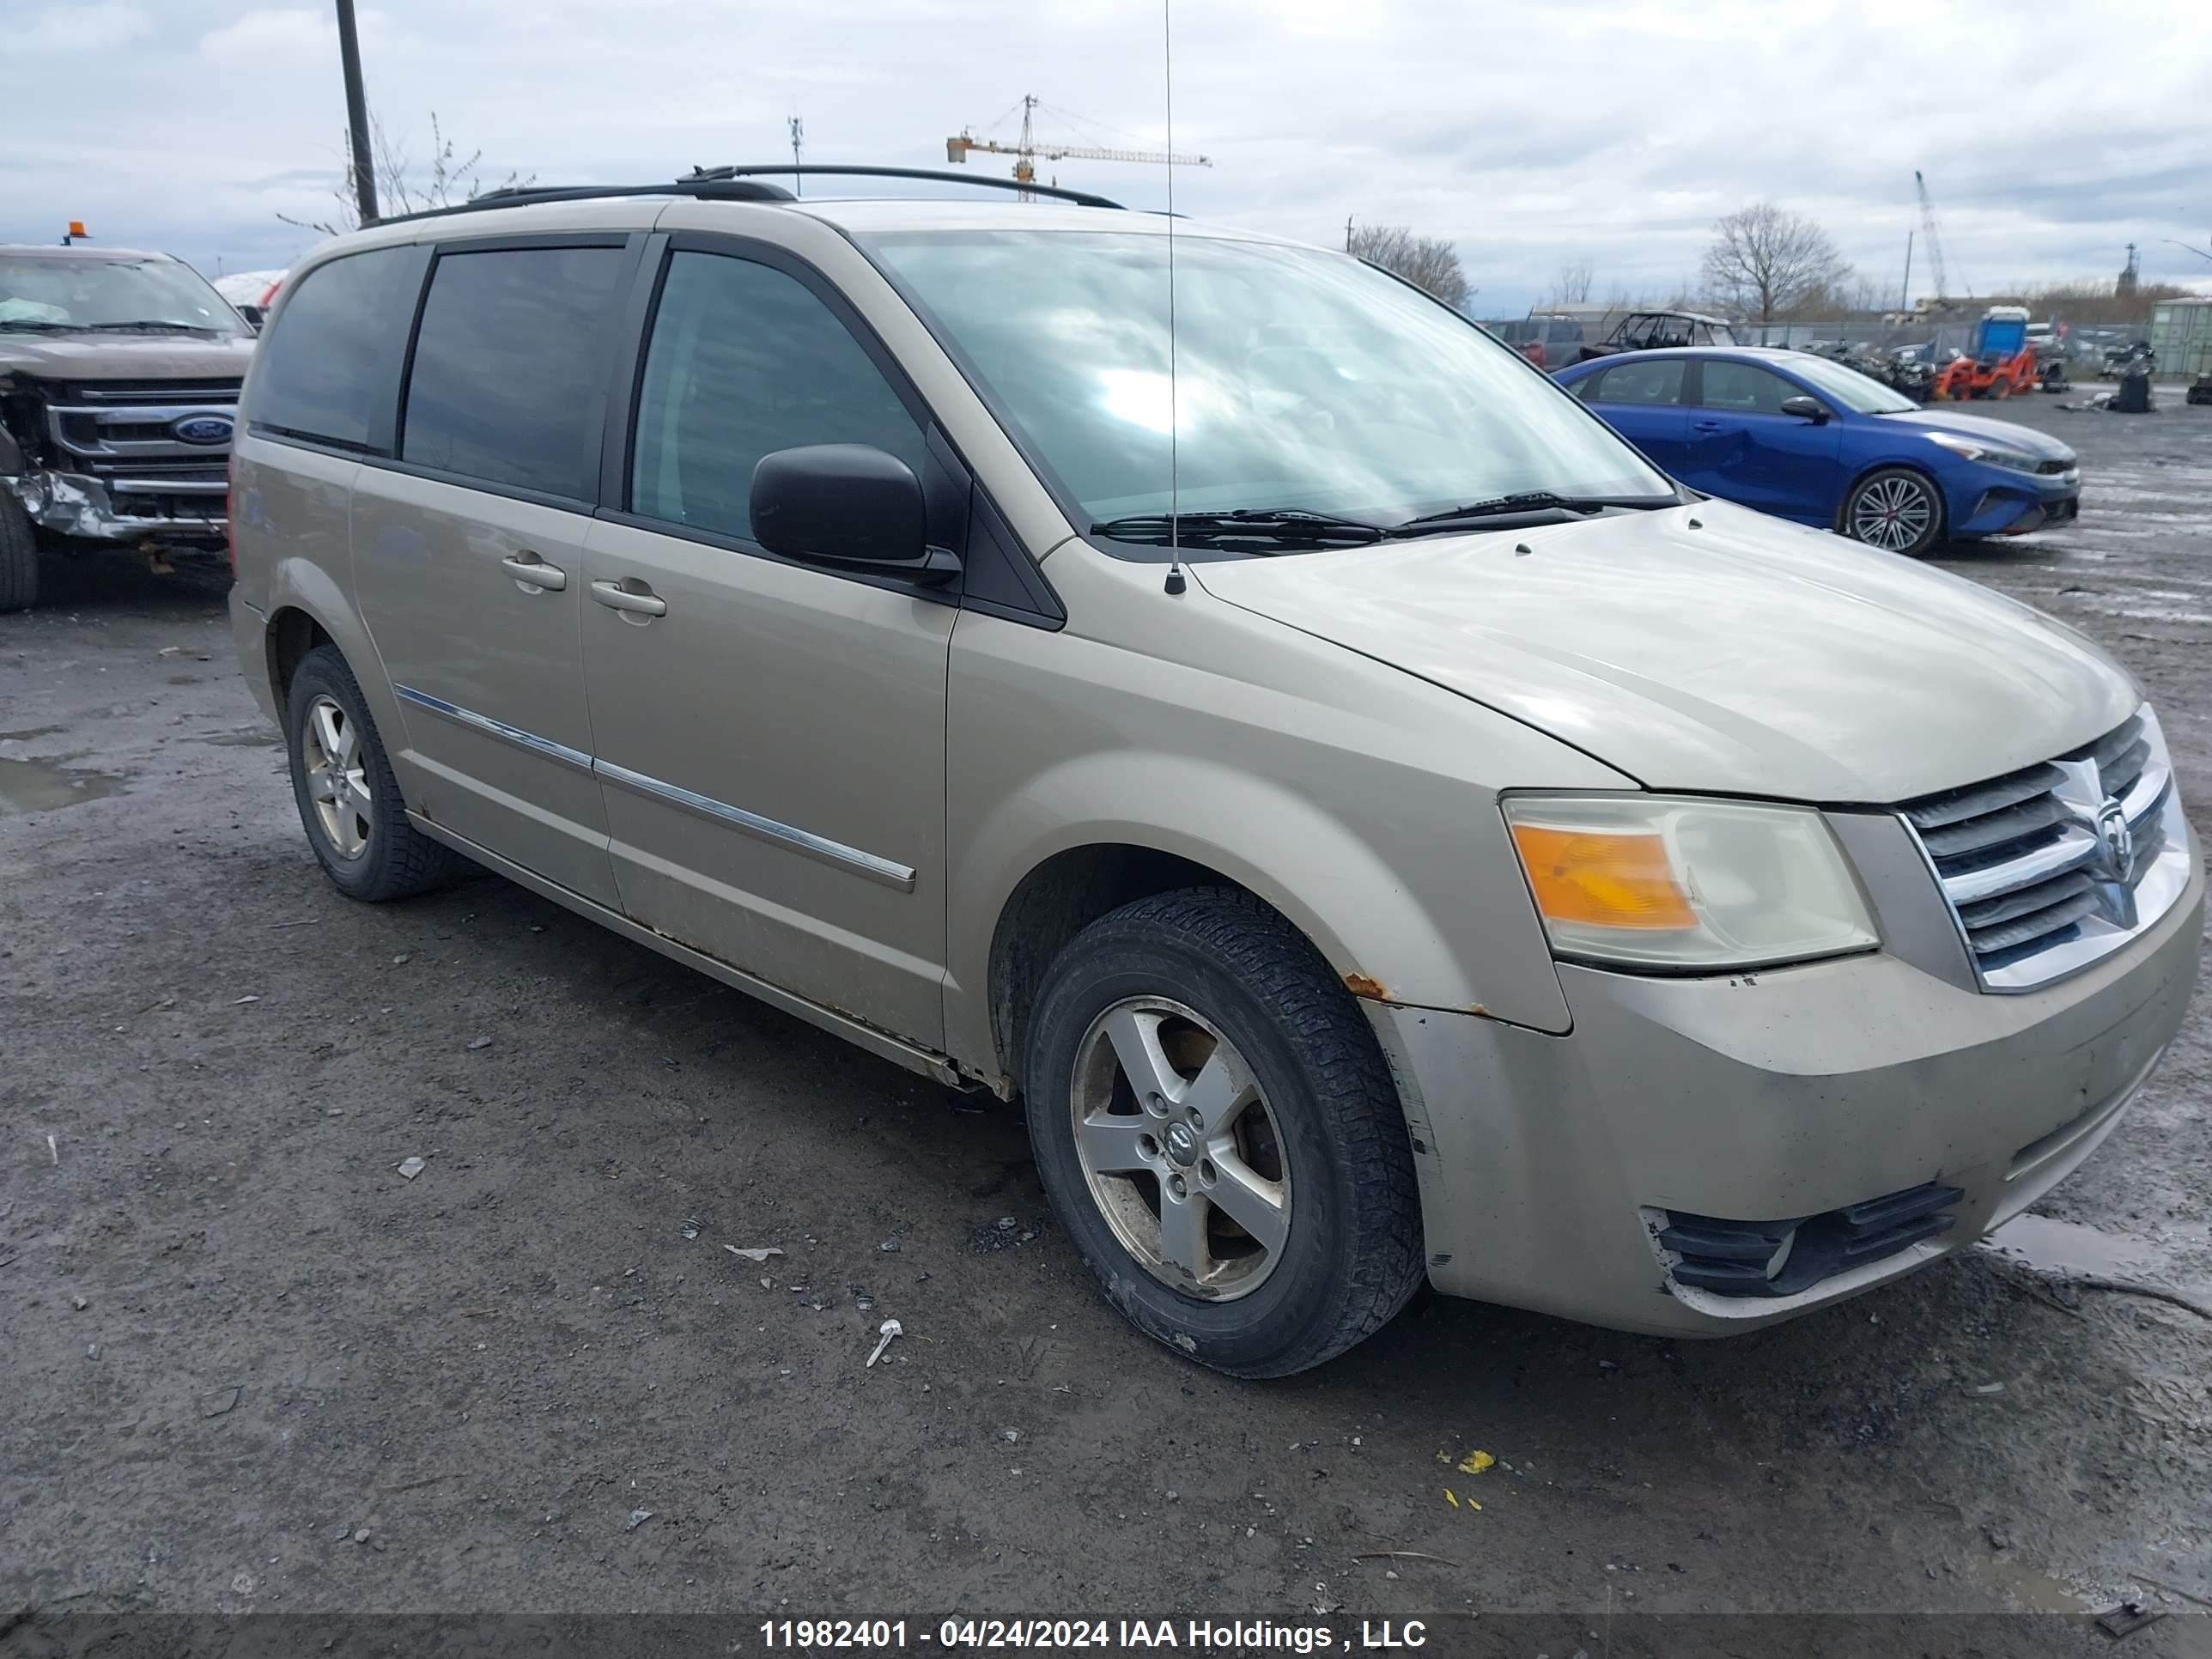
(2052, 133)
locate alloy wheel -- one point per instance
(1179, 1149)
(337, 776)
(1892, 514)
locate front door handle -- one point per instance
(531, 571)
(616, 597)
(1706, 425)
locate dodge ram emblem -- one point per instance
(2116, 841)
(203, 429)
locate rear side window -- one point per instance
(508, 363)
(744, 360)
(329, 367)
(1659, 382)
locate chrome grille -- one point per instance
(195, 393)
(121, 443)
(2034, 864)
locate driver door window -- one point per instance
(1745, 388)
(744, 360)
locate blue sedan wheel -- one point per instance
(1895, 510)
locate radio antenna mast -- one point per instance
(1175, 582)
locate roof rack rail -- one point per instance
(938, 175)
(712, 190)
(734, 183)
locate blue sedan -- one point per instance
(1805, 438)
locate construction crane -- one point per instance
(1029, 147)
(1935, 241)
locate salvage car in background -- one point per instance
(1543, 340)
(1805, 438)
(251, 293)
(119, 374)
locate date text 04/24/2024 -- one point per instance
(989, 1635)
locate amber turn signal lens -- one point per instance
(1608, 880)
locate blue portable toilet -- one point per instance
(2003, 334)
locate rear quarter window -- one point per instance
(328, 368)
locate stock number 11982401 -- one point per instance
(803, 1633)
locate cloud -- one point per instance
(1528, 132)
(76, 28)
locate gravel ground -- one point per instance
(247, 1366)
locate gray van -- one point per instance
(1380, 828)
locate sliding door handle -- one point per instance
(640, 601)
(531, 571)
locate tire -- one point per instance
(1906, 532)
(366, 846)
(19, 557)
(1233, 1006)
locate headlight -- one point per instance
(1983, 453)
(1647, 881)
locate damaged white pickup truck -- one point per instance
(119, 374)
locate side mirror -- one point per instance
(1806, 409)
(846, 504)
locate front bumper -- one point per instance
(1550, 1164)
(1996, 500)
(110, 510)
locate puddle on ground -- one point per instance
(38, 786)
(2052, 1246)
(2034, 1590)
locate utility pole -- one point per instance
(1347, 233)
(797, 142)
(1904, 296)
(364, 162)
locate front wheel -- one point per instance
(1895, 510)
(1216, 1128)
(19, 557)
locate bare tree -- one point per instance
(450, 179)
(1572, 283)
(1769, 260)
(1427, 262)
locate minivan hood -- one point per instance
(2008, 434)
(125, 356)
(1711, 648)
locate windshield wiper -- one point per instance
(1287, 525)
(161, 323)
(36, 325)
(1527, 500)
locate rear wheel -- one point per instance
(19, 557)
(348, 800)
(1214, 1124)
(1895, 510)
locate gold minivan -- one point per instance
(1380, 826)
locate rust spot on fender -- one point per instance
(1363, 985)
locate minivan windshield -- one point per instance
(1303, 380)
(1862, 394)
(123, 293)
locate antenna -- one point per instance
(1175, 582)
(798, 142)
